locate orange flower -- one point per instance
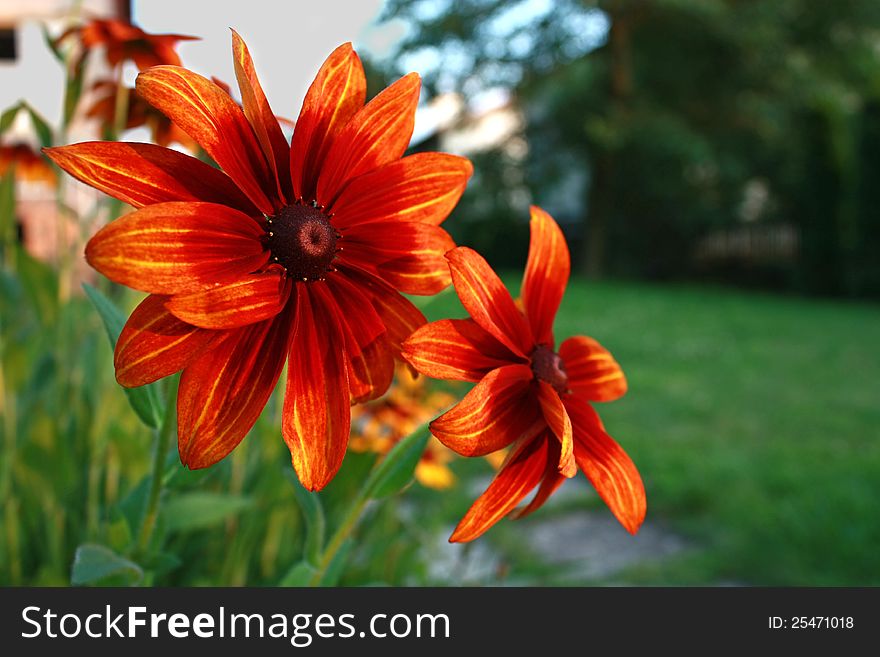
(123, 41)
(287, 253)
(528, 395)
(29, 165)
(379, 425)
(138, 113)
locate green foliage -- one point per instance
(145, 399)
(313, 515)
(396, 470)
(95, 564)
(201, 510)
(40, 125)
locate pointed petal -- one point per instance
(560, 425)
(551, 481)
(593, 374)
(499, 410)
(521, 474)
(356, 310)
(144, 174)
(607, 466)
(370, 358)
(172, 248)
(398, 314)
(423, 187)
(379, 133)
(489, 303)
(370, 369)
(316, 417)
(408, 255)
(209, 115)
(254, 298)
(338, 92)
(455, 349)
(155, 344)
(223, 391)
(262, 118)
(546, 275)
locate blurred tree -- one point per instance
(660, 115)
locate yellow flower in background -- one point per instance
(379, 425)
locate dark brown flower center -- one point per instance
(302, 241)
(548, 366)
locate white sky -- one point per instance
(288, 39)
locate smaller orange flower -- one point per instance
(29, 165)
(379, 425)
(528, 396)
(123, 41)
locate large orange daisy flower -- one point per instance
(292, 253)
(528, 395)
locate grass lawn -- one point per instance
(755, 422)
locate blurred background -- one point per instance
(715, 165)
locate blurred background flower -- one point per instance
(379, 425)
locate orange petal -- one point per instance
(379, 133)
(489, 303)
(593, 374)
(207, 114)
(262, 118)
(154, 344)
(607, 466)
(338, 92)
(316, 416)
(223, 391)
(423, 187)
(499, 410)
(408, 255)
(370, 369)
(560, 424)
(172, 248)
(397, 313)
(144, 174)
(551, 481)
(520, 475)
(455, 349)
(370, 358)
(546, 275)
(254, 298)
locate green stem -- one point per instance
(163, 441)
(349, 522)
(384, 479)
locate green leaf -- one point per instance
(313, 514)
(194, 511)
(299, 575)
(8, 237)
(44, 132)
(334, 571)
(73, 88)
(52, 45)
(8, 117)
(145, 400)
(40, 283)
(94, 564)
(132, 505)
(396, 469)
